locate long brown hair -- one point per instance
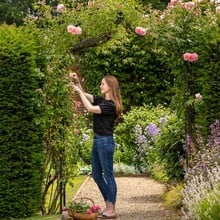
(115, 94)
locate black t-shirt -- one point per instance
(103, 124)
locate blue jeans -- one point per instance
(102, 166)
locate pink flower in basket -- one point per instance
(95, 208)
(89, 212)
(92, 209)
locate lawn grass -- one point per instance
(70, 192)
(40, 217)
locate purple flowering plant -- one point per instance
(201, 191)
(152, 130)
(207, 156)
(139, 134)
(145, 140)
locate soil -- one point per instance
(138, 198)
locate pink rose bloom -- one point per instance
(61, 8)
(74, 30)
(218, 10)
(189, 5)
(198, 96)
(172, 3)
(186, 56)
(191, 57)
(140, 31)
(194, 57)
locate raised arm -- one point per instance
(86, 102)
(75, 80)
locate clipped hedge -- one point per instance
(20, 128)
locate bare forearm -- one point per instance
(89, 97)
(75, 81)
(87, 104)
(86, 99)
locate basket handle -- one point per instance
(83, 198)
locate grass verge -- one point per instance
(70, 192)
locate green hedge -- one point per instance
(20, 130)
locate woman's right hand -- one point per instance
(77, 89)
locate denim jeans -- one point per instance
(102, 166)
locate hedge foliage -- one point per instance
(21, 108)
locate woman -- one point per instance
(106, 109)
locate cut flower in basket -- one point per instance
(85, 208)
(95, 208)
(92, 209)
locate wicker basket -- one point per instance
(82, 216)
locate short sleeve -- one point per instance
(107, 108)
(97, 100)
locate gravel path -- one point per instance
(138, 198)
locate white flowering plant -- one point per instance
(201, 193)
(201, 196)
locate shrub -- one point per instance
(21, 127)
(173, 197)
(124, 169)
(169, 149)
(86, 143)
(131, 149)
(151, 137)
(159, 173)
